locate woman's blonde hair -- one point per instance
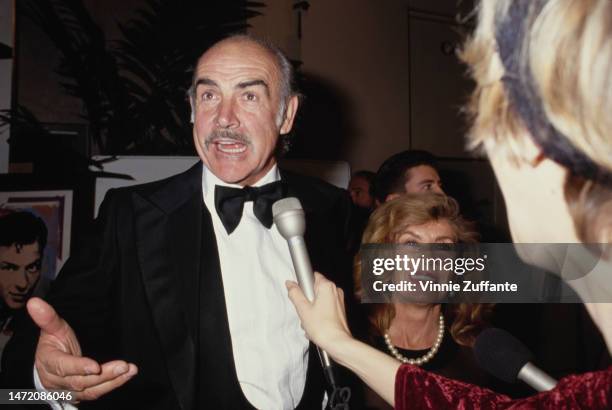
(556, 55)
(388, 222)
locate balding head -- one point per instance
(285, 72)
(241, 101)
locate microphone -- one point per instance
(507, 358)
(290, 221)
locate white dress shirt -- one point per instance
(269, 346)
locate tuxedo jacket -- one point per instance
(146, 287)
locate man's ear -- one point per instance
(392, 196)
(290, 111)
(191, 105)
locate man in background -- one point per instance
(363, 203)
(411, 171)
(359, 188)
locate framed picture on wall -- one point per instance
(65, 205)
(55, 208)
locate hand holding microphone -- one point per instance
(323, 319)
(319, 303)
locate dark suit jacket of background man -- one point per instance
(147, 289)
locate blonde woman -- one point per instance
(541, 112)
(436, 337)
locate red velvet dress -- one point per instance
(418, 389)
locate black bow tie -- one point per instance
(230, 201)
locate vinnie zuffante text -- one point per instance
(432, 286)
(431, 274)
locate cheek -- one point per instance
(202, 126)
(7, 282)
(504, 173)
(263, 134)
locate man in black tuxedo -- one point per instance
(178, 301)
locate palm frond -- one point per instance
(133, 89)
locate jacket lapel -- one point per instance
(218, 381)
(168, 244)
(318, 220)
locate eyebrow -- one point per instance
(408, 231)
(441, 238)
(428, 181)
(206, 81)
(242, 85)
(8, 265)
(251, 83)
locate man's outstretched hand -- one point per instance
(61, 366)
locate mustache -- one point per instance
(225, 135)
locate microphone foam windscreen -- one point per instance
(501, 354)
(286, 204)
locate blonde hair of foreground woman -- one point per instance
(566, 54)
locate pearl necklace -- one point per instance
(419, 360)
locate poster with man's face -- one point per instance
(34, 244)
(20, 267)
(55, 209)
